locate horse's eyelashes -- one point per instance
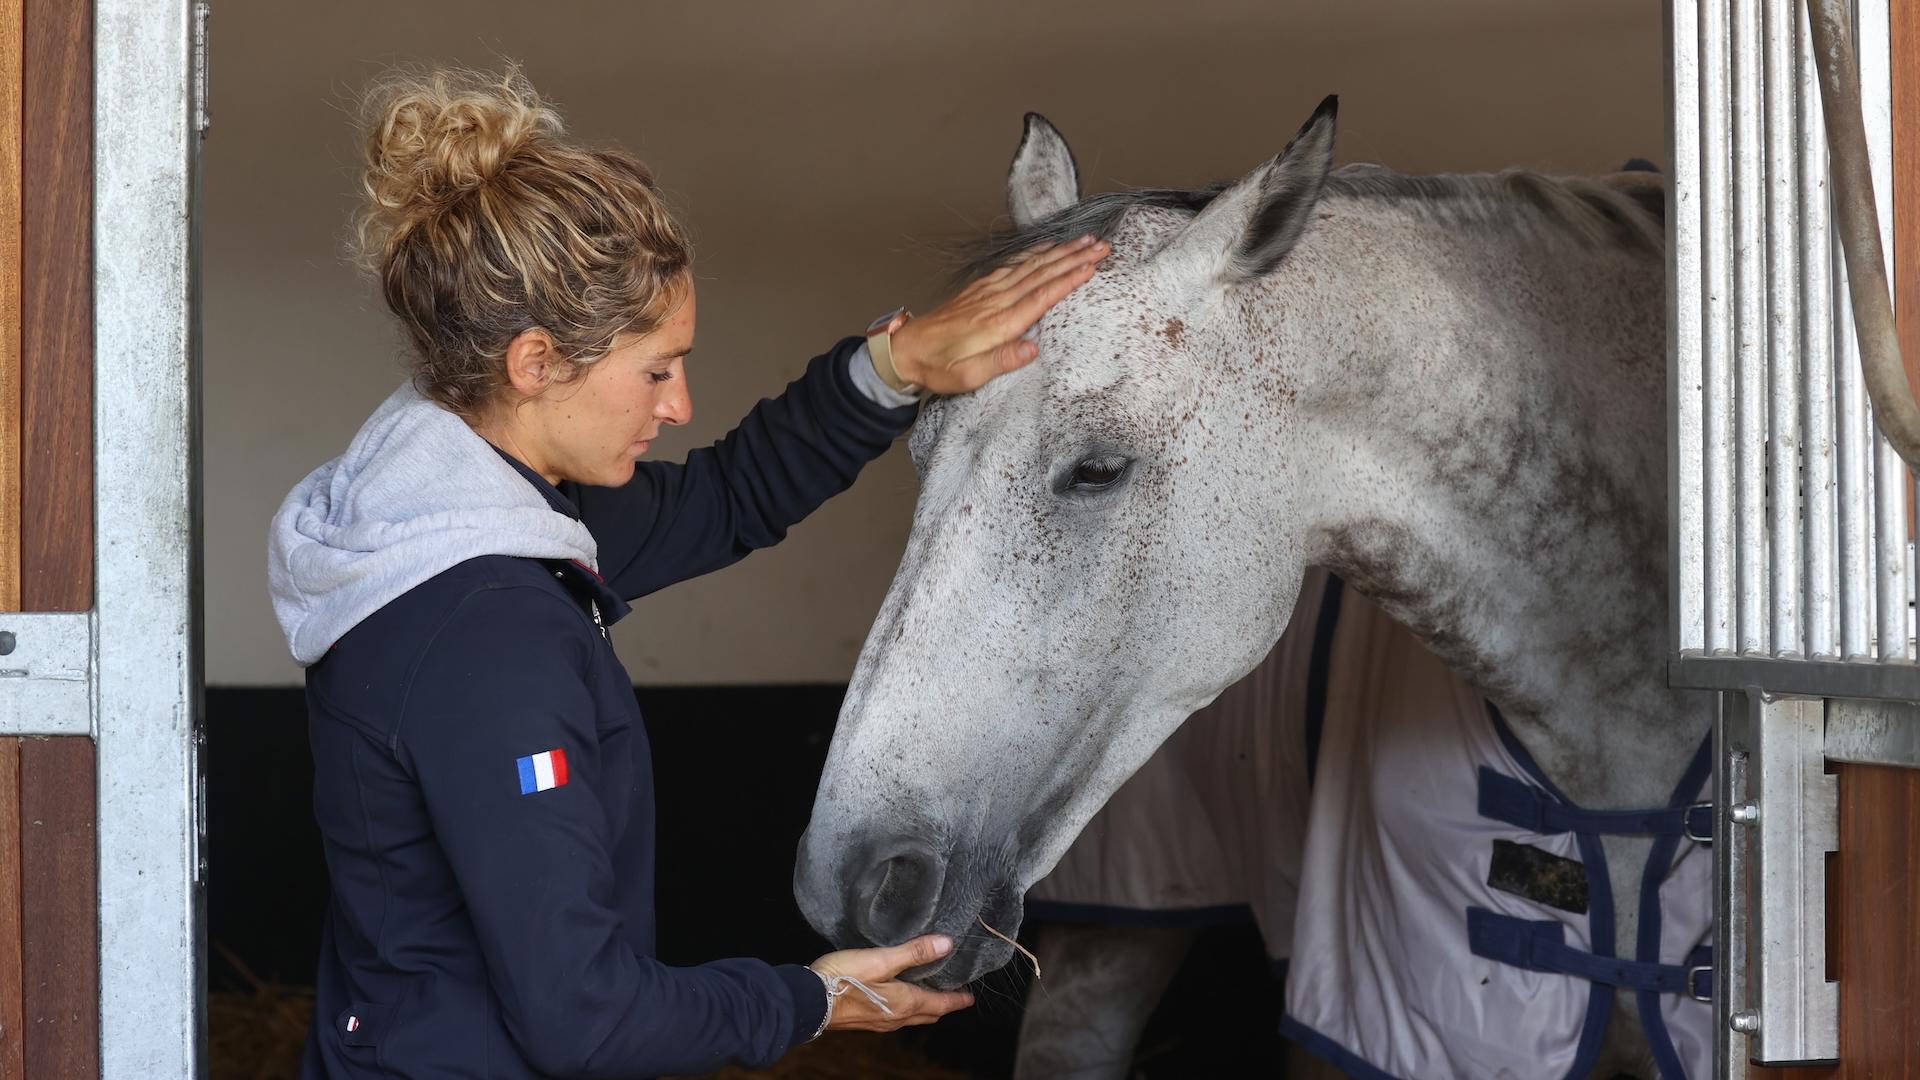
(1097, 473)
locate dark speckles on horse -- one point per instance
(1429, 403)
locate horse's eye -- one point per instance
(1097, 473)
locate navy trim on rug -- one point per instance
(1666, 1056)
(1318, 668)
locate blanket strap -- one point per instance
(1541, 945)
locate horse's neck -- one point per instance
(1504, 494)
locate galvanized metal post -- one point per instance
(1777, 817)
(1816, 355)
(1891, 479)
(152, 1019)
(1715, 187)
(1686, 307)
(1750, 332)
(1732, 736)
(1783, 328)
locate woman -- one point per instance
(482, 780)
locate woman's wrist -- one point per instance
(906, 360)
(865, 372)
(826, 1018)
(837, 986)
(898, 368)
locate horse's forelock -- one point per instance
(1096, 215)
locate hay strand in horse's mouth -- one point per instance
(1031, 959)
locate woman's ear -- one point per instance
(531, 359)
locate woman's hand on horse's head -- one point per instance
(880, 970)
(975, 336)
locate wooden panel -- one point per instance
(10, 85)
(56, 550)
(1880, 922)
(59, 908)
(12, 1008)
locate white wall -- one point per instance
(822, 152)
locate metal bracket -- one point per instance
(1887, 680)
(1874, 732)
(46, 668)
(1777, 818)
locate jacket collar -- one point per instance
(555, 499)
(582, 580)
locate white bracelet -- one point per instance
(836, 987)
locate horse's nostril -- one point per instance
(894, 899)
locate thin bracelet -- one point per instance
(836, 987)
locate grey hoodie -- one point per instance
(417, 492)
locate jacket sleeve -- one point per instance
(672, 522)
(506, 678)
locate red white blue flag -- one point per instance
(542, 771)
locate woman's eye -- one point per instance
(1095, 474)
(662, 376)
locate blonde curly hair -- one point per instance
(482, 220)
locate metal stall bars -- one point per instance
(1792, 575)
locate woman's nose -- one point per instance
(675, 406)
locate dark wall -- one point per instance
(735, 771)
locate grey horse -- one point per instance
(1447, 390)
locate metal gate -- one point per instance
(1793, 575)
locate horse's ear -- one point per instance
(1043, 179)
(1245, 232)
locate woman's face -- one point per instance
(592, 429)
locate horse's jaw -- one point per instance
(969, 840)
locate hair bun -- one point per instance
(433, 136)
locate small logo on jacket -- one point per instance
(542, 771)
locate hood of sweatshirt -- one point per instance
(416, 493)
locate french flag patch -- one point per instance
(544, 770)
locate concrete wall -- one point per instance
(823, 152)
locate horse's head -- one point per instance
(1093, 557)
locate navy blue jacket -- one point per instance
(485, 796)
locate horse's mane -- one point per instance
(1624, 209)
